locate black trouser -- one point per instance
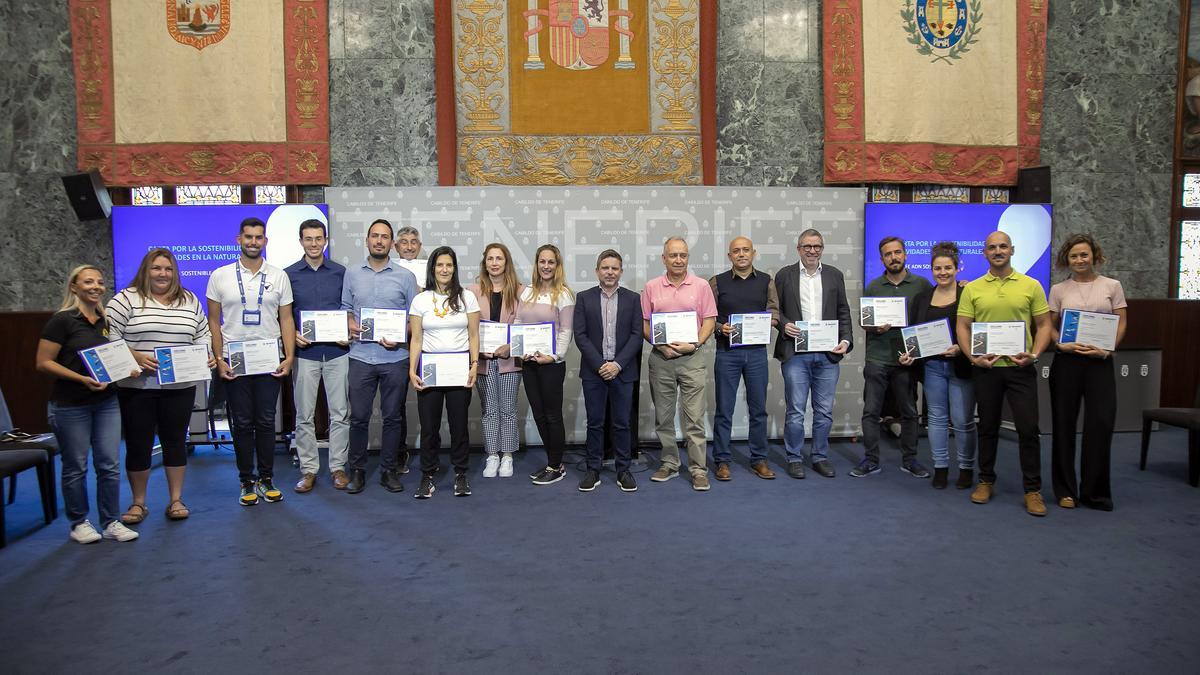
(252, 400)
(146, 411)
(457, 400)
(544, 391)
(878, 379)
(391, 381)
(1019, 386)
(1076, 379)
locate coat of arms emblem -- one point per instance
(198, 23)
(579, 33)
(943, 29)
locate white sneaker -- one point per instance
(506, 465)
(117, 530)
(491, 466)
(84, 533)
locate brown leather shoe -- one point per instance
(722, 472)
(1034, 504)
(306, 483)
(982, 493)
(340, 480)
(761, 470)
(1067, 503)
(700, 482)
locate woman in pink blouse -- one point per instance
(499, 378)
(548, 299)
(1083, 374)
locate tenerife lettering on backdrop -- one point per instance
(636, 221)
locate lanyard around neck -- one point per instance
(262, 285)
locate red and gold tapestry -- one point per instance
(576, 92)
(202, 91)
(932, 91)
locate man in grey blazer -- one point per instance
(810, 291)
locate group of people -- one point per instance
(609, 325)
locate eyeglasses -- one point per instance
(812, 247)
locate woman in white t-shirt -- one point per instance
(1082, 374)
(443, 319)
(547, 299)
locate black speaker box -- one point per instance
(1033, 186)
(88, 196)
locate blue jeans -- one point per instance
(391, 381)
(80, 428)
(951, 403)
(731, 366)
(803, 373)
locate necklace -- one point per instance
(442, 313)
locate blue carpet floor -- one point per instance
(881, 574)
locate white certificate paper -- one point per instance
(1089, 328)
(383, 324)
(927, 339)
(111, 362)
(817, 336)
(531, 338)
(492, 336)
(750, 329)
(449, 369)
(188, 363)
(884, 312)
(668, 327)
(324, 326)
(417, 267)
(1003, 338)
(253, 357)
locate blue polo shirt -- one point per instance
(392, 287)
(316, 290)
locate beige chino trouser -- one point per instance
(681, 381)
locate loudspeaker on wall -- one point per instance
(87, 195)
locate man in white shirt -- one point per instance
(251, 300)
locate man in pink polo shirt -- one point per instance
(677, 369)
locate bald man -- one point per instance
(1004, 294)
(741, 290)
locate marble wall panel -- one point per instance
(739, 113)
(1113, 36)
(42, 115)
(788, 34)
(395, 29)
(337, 29)
(362, 176)
(37, 31)
(414, 112)
(362, 124)
(740, 31)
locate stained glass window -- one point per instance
(194, 195)
(147, 195)
(270, 194)
(924, 194)
(884, 193)
(995, 195)
(1191, 190)
(1189, 260)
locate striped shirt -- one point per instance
(146, 326)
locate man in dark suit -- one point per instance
(608, 332)
(810, 291)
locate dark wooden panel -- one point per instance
(25, 390)
(1174, 327)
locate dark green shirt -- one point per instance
(886, 348)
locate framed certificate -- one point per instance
(817, 336)
(668, 327)
(927, 339)
(110, 362)
(446, 369)
(417, 267)
(1004, 338)
(188, 363)
(324, 326)
(492, 336)
(531, 338)
(883, 312)
(750, 329)
(383, 324)
(1098, 329)
(253, 357)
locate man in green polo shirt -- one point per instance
(883, 372)
(1003, 294)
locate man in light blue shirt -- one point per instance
(379, 365)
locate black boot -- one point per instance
(940, 477)
(966, 478)
(358, 481)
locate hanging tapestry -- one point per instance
(202, 91)
(576, 92)
(932, 91)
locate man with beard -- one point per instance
(1004, 294)
(883, 373)
(377, 283)
(251, 300)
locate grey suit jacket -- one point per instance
(833, 307)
